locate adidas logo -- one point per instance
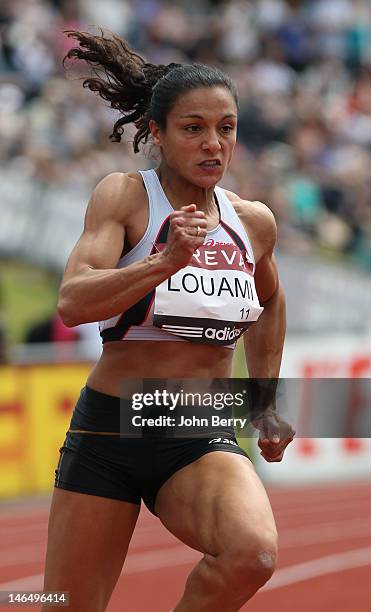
(227, 333)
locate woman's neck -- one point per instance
(181, 193)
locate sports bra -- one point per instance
(212, 300)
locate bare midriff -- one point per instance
(151, 359)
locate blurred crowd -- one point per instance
(303, 70)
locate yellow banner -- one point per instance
(36, 404)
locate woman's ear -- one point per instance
(155, 132)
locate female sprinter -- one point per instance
(141, 230)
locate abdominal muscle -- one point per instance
(150, 359)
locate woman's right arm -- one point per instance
(92, 289)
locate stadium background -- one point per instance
(303, 70)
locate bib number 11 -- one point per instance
(245, 313)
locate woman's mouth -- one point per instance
(210, 164)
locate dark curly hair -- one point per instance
(139, 90)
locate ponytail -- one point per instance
(122, 78)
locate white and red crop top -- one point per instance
(212, 300)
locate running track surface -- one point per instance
(324, 558)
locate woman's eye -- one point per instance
(192, 128)
(227, 128)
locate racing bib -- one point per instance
(212, 300)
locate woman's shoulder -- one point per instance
(117, 184)
(118, 193)
(256, 216)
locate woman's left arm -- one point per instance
(264, 341)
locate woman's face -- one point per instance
(200, 135)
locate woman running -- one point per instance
(175, 269)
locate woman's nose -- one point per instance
(212, 142)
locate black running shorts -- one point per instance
(127, 469)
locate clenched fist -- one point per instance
(274, 435)
(187, 232)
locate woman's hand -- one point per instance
(188, 228)
(274, 435)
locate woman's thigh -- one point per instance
(88, 538)
(218, 503)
